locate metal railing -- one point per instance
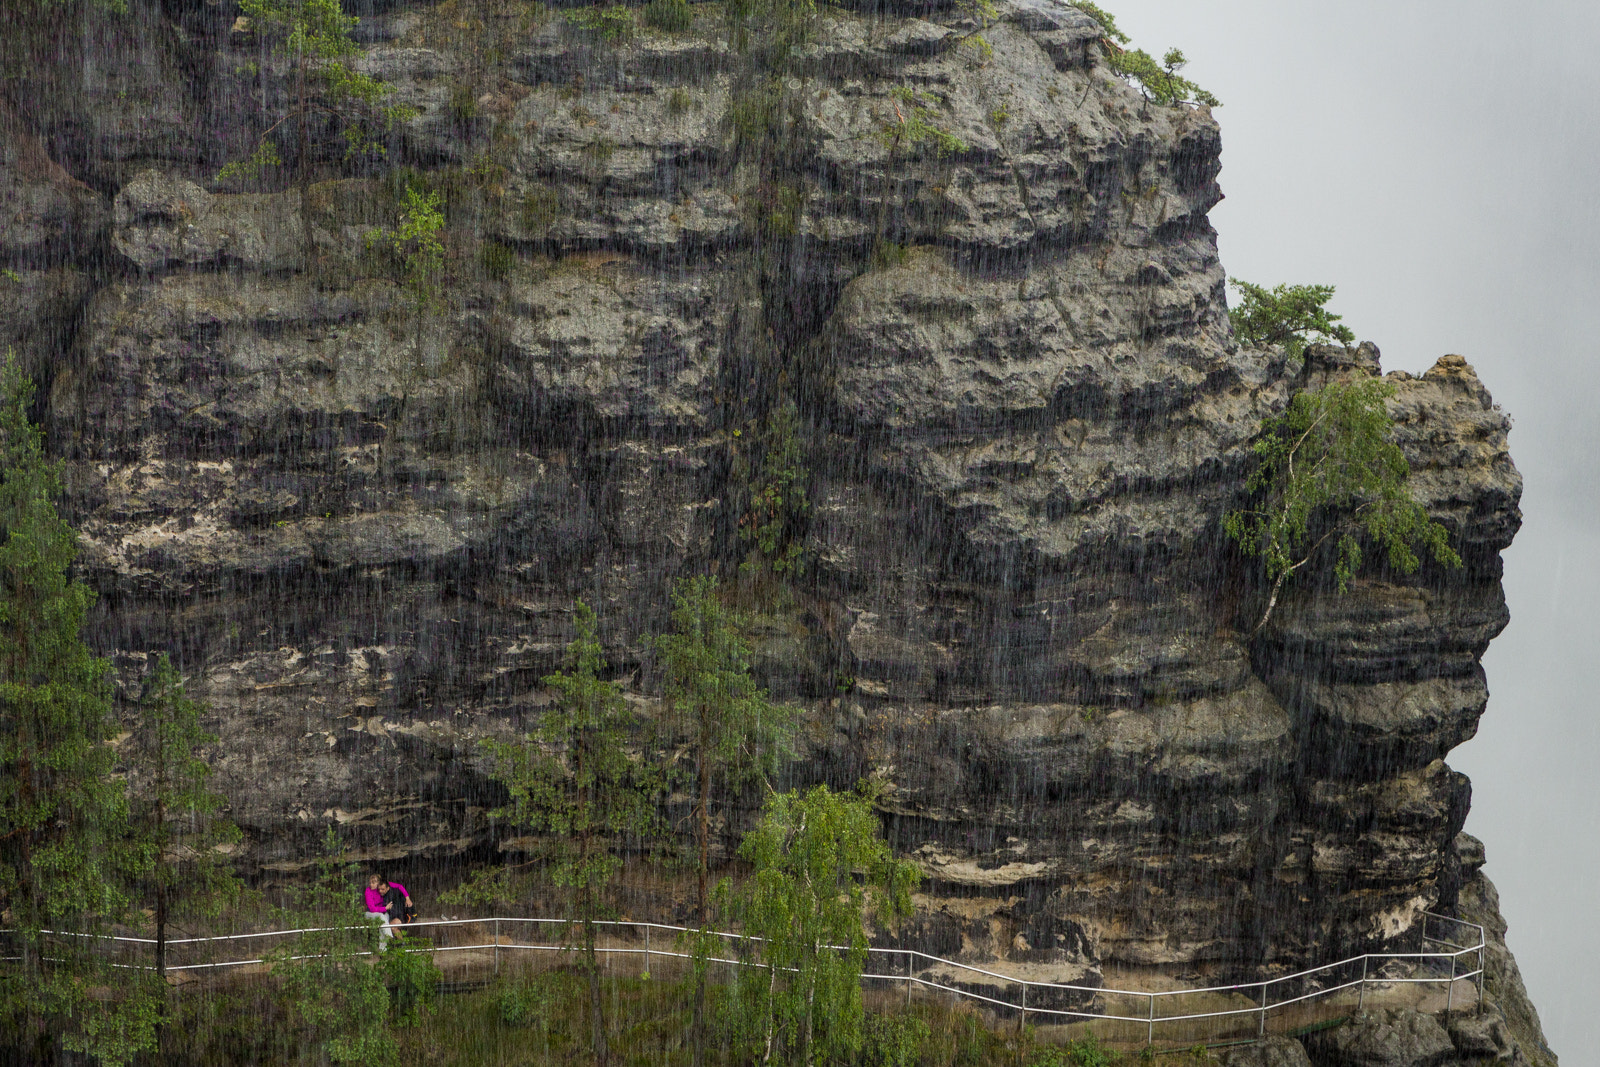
(1456, 959)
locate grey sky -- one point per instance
(1440, 163)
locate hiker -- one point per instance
(378, 910)
(397, 902)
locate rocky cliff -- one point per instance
(962, 271)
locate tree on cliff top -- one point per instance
(64, 852)
(1288, 315)
(1329, 458)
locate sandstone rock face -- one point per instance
(982, 280)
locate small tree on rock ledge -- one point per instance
(1329, 456)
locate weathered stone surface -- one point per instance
(1272, 1052)
(358, 510)
(1479, 902)
(46, 216)
(1387, 1038)
(164, 222)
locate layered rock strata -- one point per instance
(980, 272)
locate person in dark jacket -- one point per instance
(397, 902)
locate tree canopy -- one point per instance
(65, 856)
(1288, 315)
(1329, 459)
(820, 864)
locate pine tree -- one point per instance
(175, 817)
(735, 733)
(1287, 315)
(574, 779)
(64, 855)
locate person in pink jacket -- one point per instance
(386, 903)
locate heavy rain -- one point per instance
(767, 531)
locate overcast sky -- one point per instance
(1439, 162)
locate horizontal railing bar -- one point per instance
(912, 955)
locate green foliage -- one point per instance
(338, 994)
(498, 260)
(541, 206)
(174, 817)
(914, 125)
(1159, 82)
(770, 30)
(1329, 456)
(778, 495)
(820, 863)
(614, 23)
(315, 37)
(418, 244)
(411, 978)
(10, 275)
(463, 103)
(735, 733)
(894, 1041)
(526, 1002)
(673, 16)
(1107, 22)
(573, 780)
(887, 254)
(1085, 1052)
(1288, 315)
(64, 856)
(678, 102)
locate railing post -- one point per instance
(1479, 1005)
(1022, 1019)
(910, 980)
(1150, 1034)
(647, 951)
(1450, 990)
(497, 946)
(1361, 996)
(1264, 994)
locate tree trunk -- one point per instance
(597, 1018)
(161, 931)
(305, 168)
(702, 896)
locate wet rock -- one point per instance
(1270, 1052)
(46, 216)
(1389, 1038)
(1483, 1036)
(164, 222)
(361, 509)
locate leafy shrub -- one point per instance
(411, 976)
(672, 16)
(893, 1041)
(524, 1003)
(615, 23)
(498, 259)
(1159, 82)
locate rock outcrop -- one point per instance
(974, 281)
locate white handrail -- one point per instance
(1260, 987)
